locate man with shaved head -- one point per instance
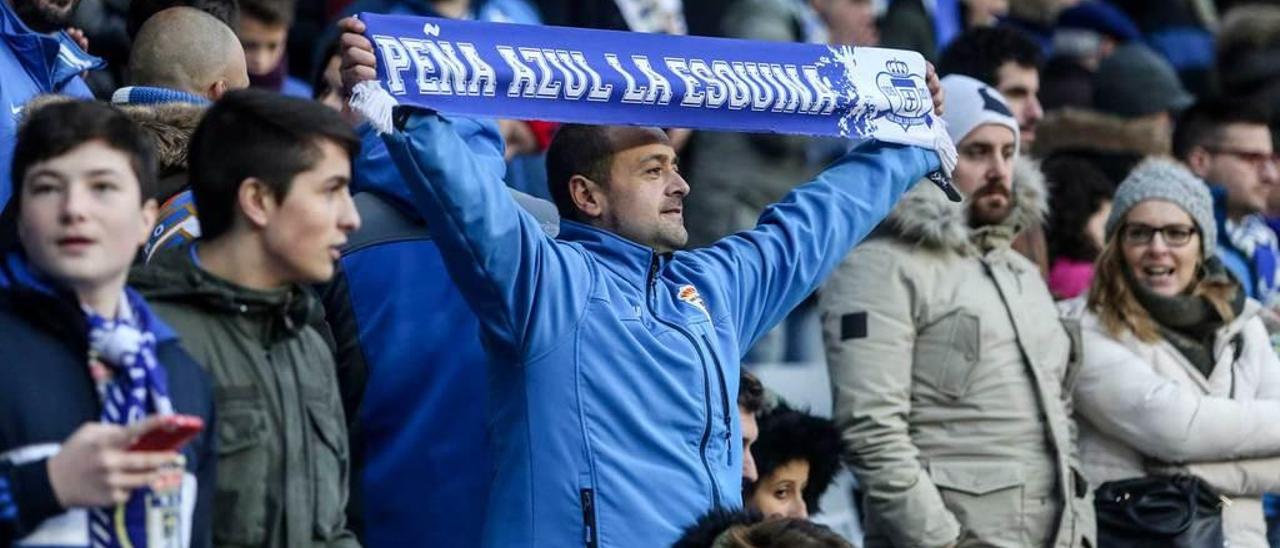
(182, 59)
(187, 51)
(614, 354)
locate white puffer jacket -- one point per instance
(1144, 409)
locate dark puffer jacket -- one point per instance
(47, 393)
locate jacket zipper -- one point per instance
(724, 402)
(588, 516)
(706, 380)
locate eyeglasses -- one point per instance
(1142, 234)
(1259, 160)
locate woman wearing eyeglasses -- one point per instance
(1178, 373)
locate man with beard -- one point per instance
(1009, 61)
(948, 359)
(36, 57)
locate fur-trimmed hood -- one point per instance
(926, 217)
(1074, 129)
(170, 126)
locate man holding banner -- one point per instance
(615, 356)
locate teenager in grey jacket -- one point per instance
(948, 359)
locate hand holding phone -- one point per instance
(100, 464)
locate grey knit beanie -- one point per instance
(1167, 180)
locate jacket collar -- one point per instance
(174, 276)
(926, 217)
(56, 307)
(624, 257)
(52, 60)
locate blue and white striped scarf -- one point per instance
(1256, 241)
(137, 387)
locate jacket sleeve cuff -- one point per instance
(32, 494)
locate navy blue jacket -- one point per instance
(411, 368)
(47, 393)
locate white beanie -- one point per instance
(971, 103)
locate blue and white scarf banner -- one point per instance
(608, 77)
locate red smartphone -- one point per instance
(173, 432)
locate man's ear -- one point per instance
(256, 202)
(216, 90)
(150, 210)
(588, 196)
(1198, 160)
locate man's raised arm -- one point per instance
(799, 240)
(494, 250)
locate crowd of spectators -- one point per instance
(473, 331)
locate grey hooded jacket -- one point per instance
(949, 364)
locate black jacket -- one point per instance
(46, 393)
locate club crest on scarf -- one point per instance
(909, 99)
(689, 294)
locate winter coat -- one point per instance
(169, 125)
(47, 394)
(614, 369)
(948, 365)
(282, 440)
(410, 364)
(1112, 143)
(1139, 404)
(33, 64)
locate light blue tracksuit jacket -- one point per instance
(614, 369)
(32, 64)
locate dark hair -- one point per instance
(227, 11)
(750, 393)
(1203, 122)
(268, 12)
(980, 52)
(54, 129)
(786, 533)
(788, 435)
(258, 134)
(744, 529)
(577, 149)
(704, 532)
(1077, 189)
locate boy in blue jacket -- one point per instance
(615, 356)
